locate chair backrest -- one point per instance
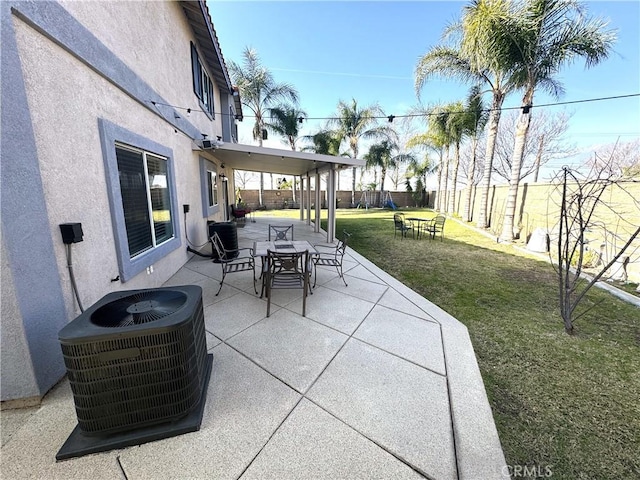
(398, 219)
(438, 222)
(342, 244)
(218, 246)
(281, 232)
(288, 270)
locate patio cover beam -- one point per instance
(253, 158)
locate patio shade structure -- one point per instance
(287, 162)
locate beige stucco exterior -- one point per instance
(66, 99)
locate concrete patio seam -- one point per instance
(400, 357)
(272, 433)
(395, 455)
(481, 457)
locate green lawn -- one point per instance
(571, 403)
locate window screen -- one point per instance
(145, 199)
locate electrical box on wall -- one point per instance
(71, 232)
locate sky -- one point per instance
(332, 51)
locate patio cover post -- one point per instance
(331, 204)
(301, 195)
(318, 204)
(308, 197)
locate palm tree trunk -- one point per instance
(383, 175)
(293, 189)
(468, 210)
(261, 190)
(485, 183)
(522, 127)
(438, 201)
(353, 186)
(445, 181)
(454, 179)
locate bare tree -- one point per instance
(620, 159)
(580, 200)
(545, 142)
(242, 178)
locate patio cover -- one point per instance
(287, 162)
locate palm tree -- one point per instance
(439, 130)
(326, 142)
(354, 123)
(456, 117)
(381, 155)
(419, 170)
(434, 139)
(259, 91)
(286, 122)
(547, 34)
(476, 118)
(480, 54)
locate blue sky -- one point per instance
(333, 51)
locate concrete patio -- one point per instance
(375, 382)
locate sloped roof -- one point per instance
(197, 14)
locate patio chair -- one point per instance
(232, 263)
(287, 270)
(330, 256)
(280, 232)
(435, 226)
(401, 225)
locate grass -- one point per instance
(570, 403)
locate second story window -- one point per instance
(202, 84)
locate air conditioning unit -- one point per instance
(138, 368)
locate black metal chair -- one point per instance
(435, 226)
(401, 225)
(280, 232)
(287, 270)
(232, 261)
(330, 256)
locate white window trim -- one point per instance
(207, 166)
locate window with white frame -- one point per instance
(202, 84)
(146, 198)
(211, 184)
(212, 188)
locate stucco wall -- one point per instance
(152, 38)
(14, 347)
(70, 82)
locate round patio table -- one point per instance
(419, 222)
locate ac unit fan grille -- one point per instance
(142, 307)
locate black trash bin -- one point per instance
(228, 233)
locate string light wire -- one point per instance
(390, 118)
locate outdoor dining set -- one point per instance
(285, 262)
(418, 226)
